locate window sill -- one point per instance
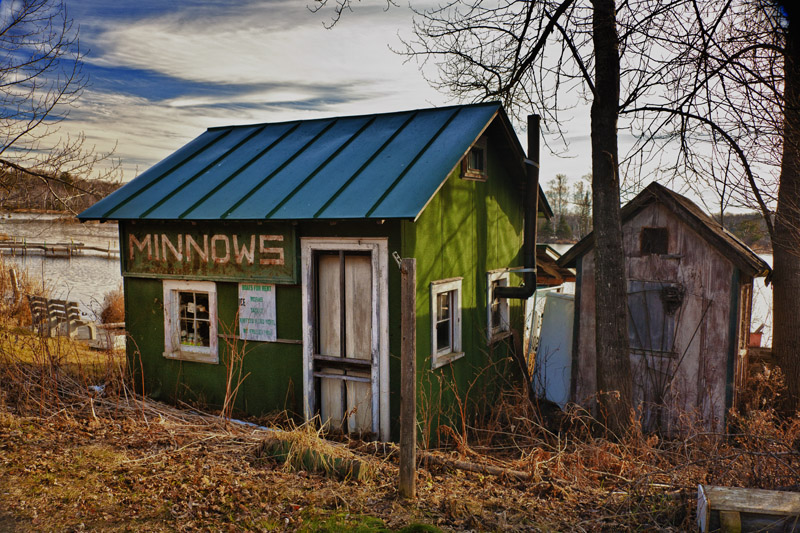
(473, 175)
(439, 360)
(196, 357)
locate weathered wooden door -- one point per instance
(343, 355)
(654, 307)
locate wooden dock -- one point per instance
(55, 249)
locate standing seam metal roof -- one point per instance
(371, 166)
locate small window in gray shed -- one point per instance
(474, 165)
(654, 241)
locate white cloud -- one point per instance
(274, 42)
(288, 65)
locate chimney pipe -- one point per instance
(531, 206)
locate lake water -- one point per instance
(85, 279)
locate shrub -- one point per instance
(113, 307)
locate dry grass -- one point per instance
(80, 450)
(14, 285)
(113, 309)
(73, 458)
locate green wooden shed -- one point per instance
(269, 246)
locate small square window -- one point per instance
(190, 321)
(654, 241)
(497, 308)
(474, 164)
(445, 322)
(477, 160)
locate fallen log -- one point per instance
(477, 468)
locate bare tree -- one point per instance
(40, 79)
(582, 201)
(339, 8)
(40, 71)
(557, 193)
(786, 239)
(668, 56)
(734, 108)
(529, 54)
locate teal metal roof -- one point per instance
(373, 166)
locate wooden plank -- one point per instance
(343, 362)
(358, 338)
(220, 335)
(733, 509)
(341, 377)
(408, 378)
(329, 327)
(749, 500)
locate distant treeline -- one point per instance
(751, 229)
(572, 217)
(63, 193)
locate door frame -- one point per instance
(379, 250)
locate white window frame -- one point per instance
(173, 349)
(495, 332)
(439, 287)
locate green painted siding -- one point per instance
(468, 229)
(275, 380)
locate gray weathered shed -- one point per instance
(690, 286)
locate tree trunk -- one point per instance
(786, 241)
(613, 360)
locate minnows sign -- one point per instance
(210, 251)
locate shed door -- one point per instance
(343, 356)
(653, 310)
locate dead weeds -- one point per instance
(79, 450)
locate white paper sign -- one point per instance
(257, 312)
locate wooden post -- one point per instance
(408, 378)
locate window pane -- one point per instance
(443, 331)
(194, 318)
(187, 331)
(498, 308)
(496, 317)
(202, 337)
(443, 306)
(476, 159)
(654, 241)
(444, 322)
(201, 305)
(186, 304)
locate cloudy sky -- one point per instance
(162, 71)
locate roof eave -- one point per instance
(744, 259)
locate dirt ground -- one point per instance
(77, 458)
(72, 474)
